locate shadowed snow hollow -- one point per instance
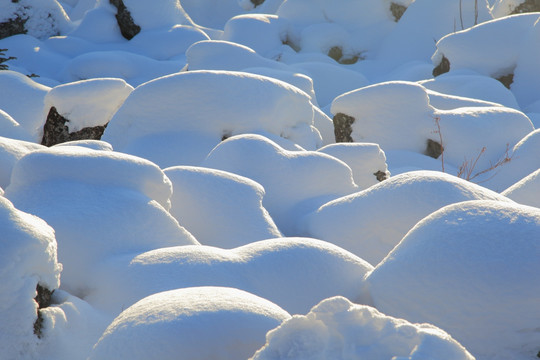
(471, 269)
(193, 323)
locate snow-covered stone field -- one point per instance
(270, 179)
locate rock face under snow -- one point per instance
(28, 262)
(338, 329)
(494, 245)
(193, 323)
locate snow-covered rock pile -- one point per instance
(346, 179)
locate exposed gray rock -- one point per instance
(506, 80)
(433, 149)
(55, 130)
(380, 175)
(397, 11)
(526, 7)
(128, 28)
(443, 67)
(336, 53)
(342, 127)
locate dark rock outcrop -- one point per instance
(257, 2)
(56, 131)
(336, 53)
(43, 298)
(443, 67)
(128, 28)
(12, 27)
(342, 127)
(433, 149)
(380, 175)
(506, 80)
(397, 11)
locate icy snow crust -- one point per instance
(218, 203)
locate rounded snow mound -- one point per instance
(287, 176)
(214, 105)
(371, 222)
(27, 259)
(295, 273)
(100, 203)
(526, 191)
(87, 103)
(194, 323)
(338, 329)
(472, 269)
(11, 151)
(204, 196)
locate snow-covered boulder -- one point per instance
(471, 269)
(194, 323)
(338, 329)
(366, 160)
(213, 105)
(81, 110)
(39, 19)
(526, 191)
(285, 175)
(294, 273)
(371, 222)
(231, 203)
(10, 128)
(398, 115)
(22, 98)
(27, 262)
(100, 203)
(11, 150)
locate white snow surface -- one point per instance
(28, 258)
(338, 329)
(234, 100)
(196, 323)
(295, 273)
(494, 245)
(87, 103)
(371, 222)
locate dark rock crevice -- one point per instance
(506, 80)
(12, 27)
(128, 28)
(342, 127)
(43, 298)
(380, 175)
(56, 131)
(257, 2)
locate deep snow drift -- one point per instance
(269, 179)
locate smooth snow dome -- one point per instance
(100, 203)
(526, 191)
(28, 113)
(87, 103)
(366, 160)
(285, 175)
(10, 128)
(295, 273)
(371, 222)
(495, 247)
(338, 329)
(215, 104)
(11, 150)
(27, 258)
(231, 203)
(194, 323)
